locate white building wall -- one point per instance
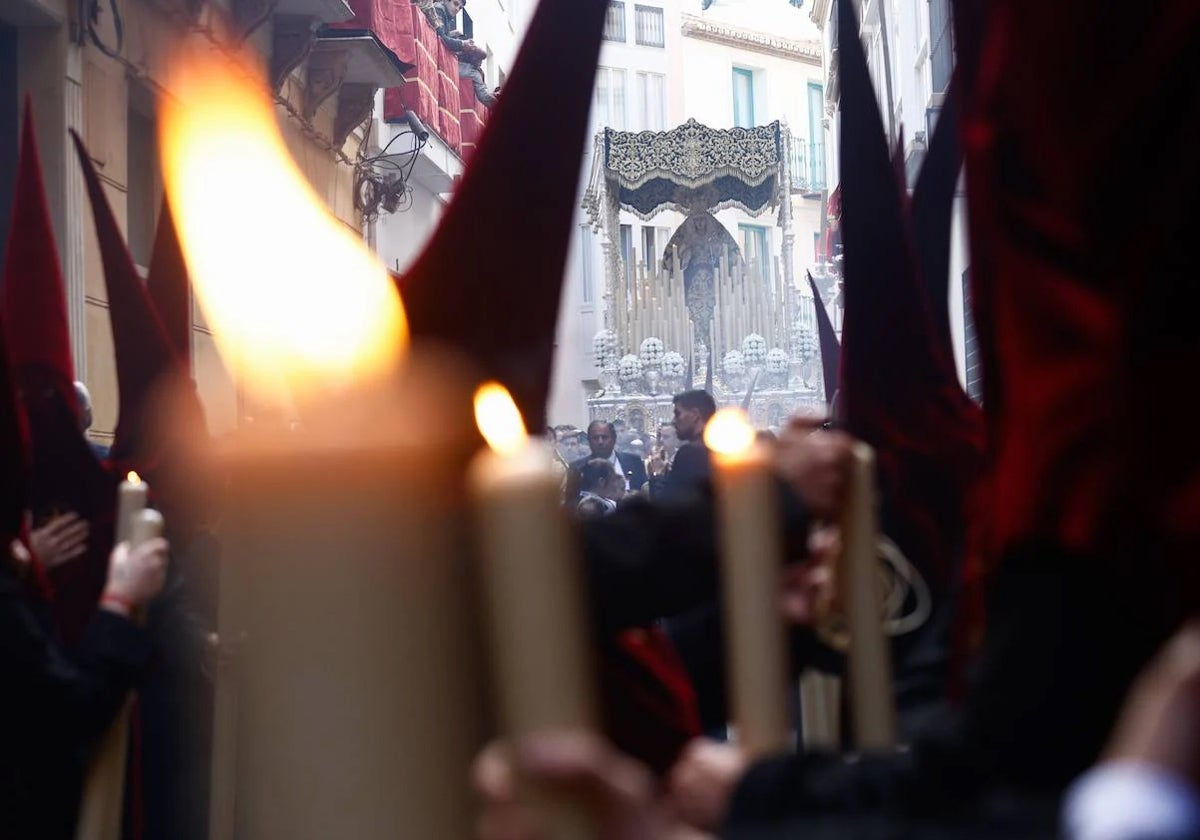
(912, 90)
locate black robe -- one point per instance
(53, 706)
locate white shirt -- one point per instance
(1126, 800)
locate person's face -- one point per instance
(687, 423)
(455, 6)
(667, 439)
(601, 440)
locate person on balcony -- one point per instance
(470, 66)
(445, 16)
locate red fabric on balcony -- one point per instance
(448, 99)
(390, 20)
(471, 117)
(422, 89)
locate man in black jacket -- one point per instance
(690, 467)
(602, 439)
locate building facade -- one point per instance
(724, 64)
(104, 75)
(911, 90)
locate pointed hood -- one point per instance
(899, 390)
(143, 352)
(489, 282)
(35, 306)
(831, 349)
(168, 286)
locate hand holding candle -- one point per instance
(750, 540)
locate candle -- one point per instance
(131, 499)
(533, 592)
(356, 703)
(868, 666)
(751, 549)
(102, 804)
(345, 572)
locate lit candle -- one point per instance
(356, 704)
(131, 500)
(533, 593)
(750, 539)
(102, 804)
(868, 666)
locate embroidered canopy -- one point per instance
(689, 168)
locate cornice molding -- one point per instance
(808, 51)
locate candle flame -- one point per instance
(133, 478)
(291, 293)
(729, 432)
(499, 419)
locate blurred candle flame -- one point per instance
(729, 433)
(133, 478)
(499, 419)
(292, 294)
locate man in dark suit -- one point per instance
(690, 468)
(602, 440)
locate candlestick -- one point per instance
(751, 546)
(868, 664)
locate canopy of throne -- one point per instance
(689, 169)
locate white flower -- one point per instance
(651, 352)
(754, 349)
(777, 361)
(630, 368)
(673, 365)
(734, 363)
(604, 345)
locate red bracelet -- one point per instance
(127, 606)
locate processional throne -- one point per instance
(700, 314)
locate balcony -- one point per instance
(808, 167)
(431, 89)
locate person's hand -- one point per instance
(817, 464)
(702, 782)
(657, 465)
(807, 589)
(1160, 722)
(60, 540)
(579, 765)
(135, 576)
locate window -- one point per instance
(610, 98)
(144, 190)
(973, 361)
(815, 171)
(754, 248)
(652, 101)
(648, 27)
(614, 22)
(468, 25)
(941, 54)
(743, 97)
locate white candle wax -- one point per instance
(750, 540)
(868, 664)
(131, 500)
